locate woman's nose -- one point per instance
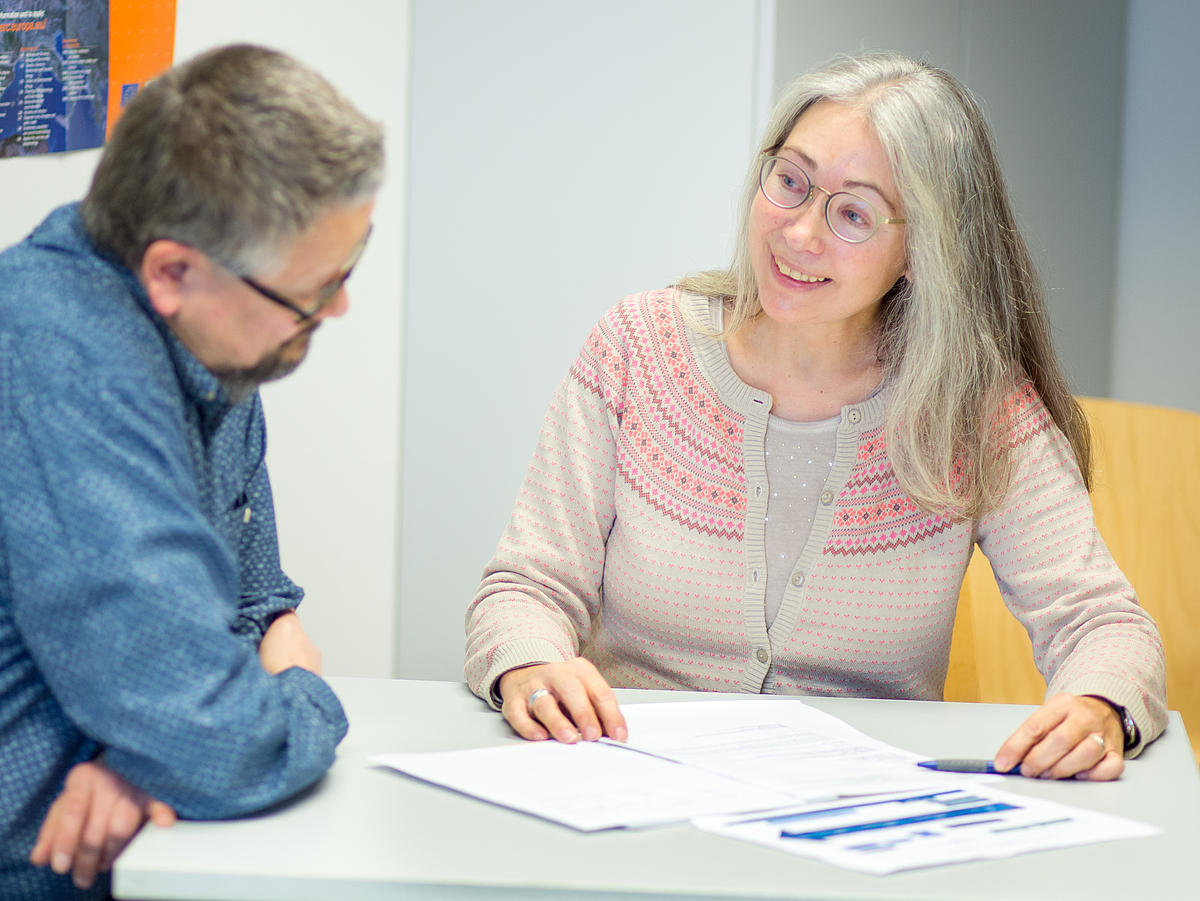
(806, 230)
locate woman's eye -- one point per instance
(857, 217)
(792, 183)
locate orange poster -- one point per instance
(68, 67)
(141, 46)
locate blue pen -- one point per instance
(968, 766)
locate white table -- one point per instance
(369, 833)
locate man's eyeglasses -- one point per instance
(327, 291)
(850, 217)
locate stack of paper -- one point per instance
(587, 786)
(773, 772)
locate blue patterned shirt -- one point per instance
(139, 565)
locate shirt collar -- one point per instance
(199, 385)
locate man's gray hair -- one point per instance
(235, 153)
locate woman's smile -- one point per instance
(795, 274)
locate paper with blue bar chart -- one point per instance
(883, 834)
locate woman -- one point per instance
(771, 478)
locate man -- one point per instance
(148, 644)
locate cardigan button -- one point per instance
(798, 579)
(762, 655)
(854, 416)
(827, 497)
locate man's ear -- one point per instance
(169, 271)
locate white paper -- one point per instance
(782, 744)
(587, 786)
(886, 834)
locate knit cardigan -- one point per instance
(637, 540)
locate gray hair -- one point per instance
(234, 153)
(969, 322)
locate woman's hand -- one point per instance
(1069, 735)
(579, 703)
(92, 821)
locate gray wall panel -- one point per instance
(1050, 75)
(1158, 302)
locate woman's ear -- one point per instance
(166, 272)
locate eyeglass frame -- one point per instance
(326, 293)
(829, 195)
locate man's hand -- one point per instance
(575, 687)
(286, 645)
(90, 823)
(1069, 735)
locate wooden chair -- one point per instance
(1146, 495)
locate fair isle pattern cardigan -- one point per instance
(637, 540)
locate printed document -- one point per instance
(587, 785)
(886, 834)
(779, 743)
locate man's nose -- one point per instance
(337, 306)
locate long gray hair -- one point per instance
(970, 321)
(234, 153)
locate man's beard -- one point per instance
(239, 384)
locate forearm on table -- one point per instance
(183, 707)
(246, 762)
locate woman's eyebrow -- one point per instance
(811, 164)
(872, 187)
(807, 160)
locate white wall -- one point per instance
(333, 426)
(31, 186)
(563, 155)
(1158, 302)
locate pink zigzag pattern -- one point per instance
(679, 448)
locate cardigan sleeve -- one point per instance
(541, 592)
(1090, 636)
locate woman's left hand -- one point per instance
(1069, 735)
